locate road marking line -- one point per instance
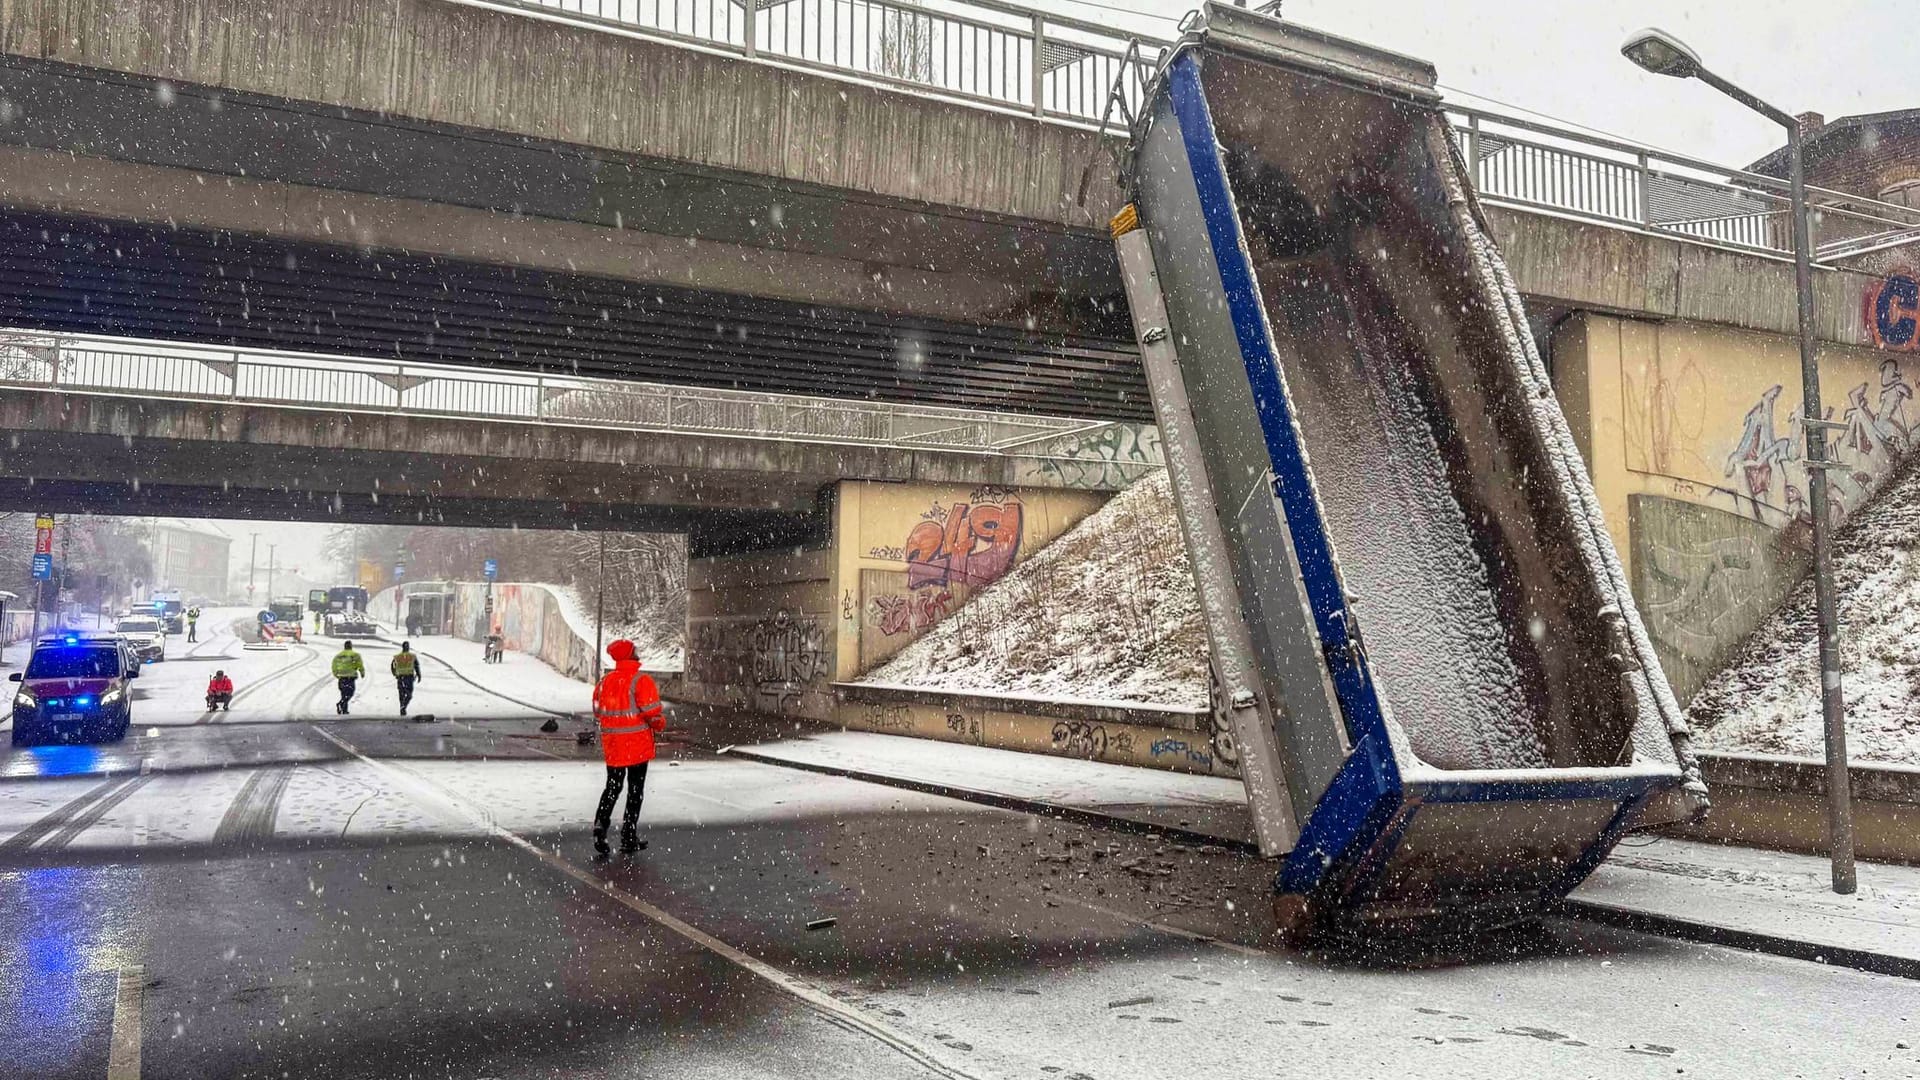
(830, 1007)
(123, 1059)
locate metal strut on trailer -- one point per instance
(1339, 363)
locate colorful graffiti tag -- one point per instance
(1769, 469)
(1891, 308)
(967, 544)
(895, 614)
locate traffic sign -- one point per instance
(42, 565)
(399, 571)
(492, 569)
(268, 618)
(43, 521)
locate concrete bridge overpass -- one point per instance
(125, 427)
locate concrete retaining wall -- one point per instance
(759, 633)
(530, 617)
(1693, 437)
(909, 555)
(1781, 803)
(1158, 738)
(781, 633)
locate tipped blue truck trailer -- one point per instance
(1447, 707)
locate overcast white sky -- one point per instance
(299, 546)
(1837, 57)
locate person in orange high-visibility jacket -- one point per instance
(627, 706)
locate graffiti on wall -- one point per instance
(966, 544)
(895, 614)
(1891, 309)
(1113, 456)
(789, 652)
(1081, 738)
(1768, 467)
(1704, 578)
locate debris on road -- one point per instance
(821, 924)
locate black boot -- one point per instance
(600, 842)
(630, 843)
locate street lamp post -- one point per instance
(1663, 54)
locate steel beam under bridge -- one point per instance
(86, 275)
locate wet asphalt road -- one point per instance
(257, 899)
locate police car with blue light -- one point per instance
(77, 688)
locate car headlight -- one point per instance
(24, 700)
(110, 697)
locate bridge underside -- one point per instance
(134, 456)
(78, 274)
(709, 532)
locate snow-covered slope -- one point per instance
(1106, 612)
(1768, 699)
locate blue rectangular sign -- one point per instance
(492, 569)
(43, 566)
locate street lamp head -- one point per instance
(1661, 53)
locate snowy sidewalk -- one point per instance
(1210, 805)
(518, 676)
(1738, 891)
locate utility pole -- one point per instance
(61, 583)
(271, 548)
(253, 564)
(599, 607)
(1663, 54)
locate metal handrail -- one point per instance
(122, 367)
(1624, 183)
(981, 51)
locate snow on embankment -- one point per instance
(1107, 612)
(1768, 699)
(552, 622)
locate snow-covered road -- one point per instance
(293, 683)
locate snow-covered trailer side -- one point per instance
(1462, 699)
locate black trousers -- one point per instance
(190, 632)
(405, 684)
(346, 689)
(616, 775)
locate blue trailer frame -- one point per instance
(1350, 863)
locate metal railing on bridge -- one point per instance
(984, 51)
(1063, 69)
(144, 369)
(1544, 167)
